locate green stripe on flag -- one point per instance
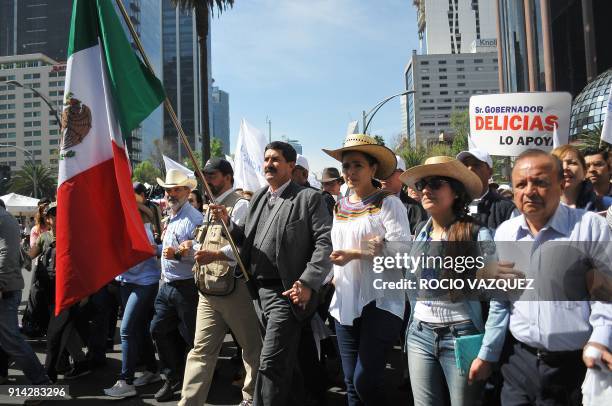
(83, 26)
(136, 90)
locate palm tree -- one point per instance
(590, 140)
(34, 180)
(203, 9)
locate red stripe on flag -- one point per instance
(99, 230)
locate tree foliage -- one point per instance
(460, 123)
(216, 148)
(379, 139)
(590, 140)
(34, 180)
(147, 172)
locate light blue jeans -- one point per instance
(12, 341)
(431, 361)
(135, 337)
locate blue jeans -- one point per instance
(137, 301)
(431, 362)
(173, 326)
(12, 341)
(363, 350)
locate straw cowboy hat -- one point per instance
(175, 178)
(367, 145)
(444, 166)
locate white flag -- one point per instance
(249, 157)
(606, 131)
(353, 127)
(230, 160)
(313, 181)
(172, 164)
(471, 144)
(557, 141)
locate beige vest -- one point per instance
(215, 278)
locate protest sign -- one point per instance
(510, 123)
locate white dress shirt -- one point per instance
(558, 325)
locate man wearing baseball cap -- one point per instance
(490, 209)
(300, 176)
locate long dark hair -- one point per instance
(462, 228)
(462, 235)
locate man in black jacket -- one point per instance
(490, 209)
(285, 245)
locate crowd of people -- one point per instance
(288, 271)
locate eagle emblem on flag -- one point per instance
(75, 122)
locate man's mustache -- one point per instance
(270, 170)
(172, 199)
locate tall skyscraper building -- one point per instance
(181, 57)
(458, 59)
(556, 45)
(35, 26)
(443, 84)
(450, 27)
(146, 17)
(220, 118)
(26, 122)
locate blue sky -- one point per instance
(312, 66)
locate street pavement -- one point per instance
(88, 390)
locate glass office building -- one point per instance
(182, 78)
(589, 107)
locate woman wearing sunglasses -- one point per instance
(368, 320)
(439, 317)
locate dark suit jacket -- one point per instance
(303, 241)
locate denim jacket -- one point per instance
(498, 317)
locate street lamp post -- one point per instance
(32, 160)
(37, 93)
(367, 117)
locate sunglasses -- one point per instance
(434, 183)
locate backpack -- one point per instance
(42, 293)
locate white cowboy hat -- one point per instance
(175, 178)
(444, 166)
(368, 145)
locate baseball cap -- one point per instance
(50, 209)
(139, 188)
(219, 164)
(482, 156)
(302, 161)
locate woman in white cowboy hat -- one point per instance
(438, 317)
(368, 320)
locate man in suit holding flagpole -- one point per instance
(285, 245)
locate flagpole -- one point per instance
(179, 129)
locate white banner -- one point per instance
(172, 164)
(510, 123)
(249, 157)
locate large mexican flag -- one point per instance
(108, 92)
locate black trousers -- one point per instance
(58, 332)
(279, 379)
(542, 381)
(3, 363)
